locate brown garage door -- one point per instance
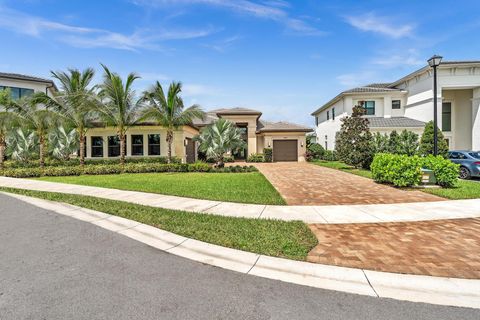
(285, 150)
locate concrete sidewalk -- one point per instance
(434, 290)
(376, 213)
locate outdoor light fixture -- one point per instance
(434, 62)
(301, 144)
(269, 144)
(185, 142)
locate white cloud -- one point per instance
(272, 10)
(370, 22)
(356, 79)
(407, 58)
(85, 37)
(223, 45)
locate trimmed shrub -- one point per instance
(268, 154)
(62, 171)
(399, 170)
(329, 155)
(199, 166)
(315, 151)
(256, 157)
(102, 169)
(23, 173)
(446, 172)
(426, 142)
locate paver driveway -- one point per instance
(445, 248)
(307, 184)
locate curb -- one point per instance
(427, 289)
(339, 214)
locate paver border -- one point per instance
(427, 289)
(331, 214)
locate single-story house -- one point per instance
(408, 104)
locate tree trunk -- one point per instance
(169, 142)
(122, 148)
(82, 148)
(2, 151)
(42, 151)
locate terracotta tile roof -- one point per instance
(281, 126)
(237, 110)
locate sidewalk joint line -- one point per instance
(368, 280)
(177, 244)
(264, 207)
(208, 208)
(254, 264)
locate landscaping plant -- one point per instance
(354, 141)
(268, 154)
(63, 143)
(426, 142)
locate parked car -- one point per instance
(469, 162)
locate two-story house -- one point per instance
(23, 85)
(408, 104)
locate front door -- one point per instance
(190, 150)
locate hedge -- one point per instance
(117, 169)
(406, 171)
(256, 157)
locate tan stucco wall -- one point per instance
(251, 121)
(178, 147)
(269, 137)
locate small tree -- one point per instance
(380, 143)
(408, 143)
(354, 144)
(219, 138)
(426, 142)
(394, 143)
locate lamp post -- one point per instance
(434, 62)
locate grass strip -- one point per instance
(285, 239)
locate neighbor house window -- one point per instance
(333, 113)
(369, 107)
(328, 115)
(97, 147)
(17, 93)
(316, 120)
(447, 116)
(396, 104)
(153, 144)
(137, 144)
(113, 146)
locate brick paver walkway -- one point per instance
(447, 248)
(309, 184)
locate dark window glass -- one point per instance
(476, 155)
(137, 145)
(316, 120)
(153, 144)
(25, 92)
(113, 146)
(15, 93)
(333, 113)
(369, 108)
(453, 155)
(446, 116)
(396, 104)
(328, 115)
(97, 147)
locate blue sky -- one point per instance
(284, 58)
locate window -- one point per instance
(328, 115)
(113, 146)
(475, 155)
(369, 107)
(17, 93)
(396, 104)
(447, 116)
(316, 120)
(153, 144)
(137, 144)
(333, 113)
(97, 147)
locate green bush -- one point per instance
(399, 170)
(329, 155)
(426, 142)
(23, 173)
(446, 172)
(268, 154)
(315, 151)
(199, 166)
(256, 157)
(62, 171)
(102, 169)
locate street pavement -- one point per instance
(56, 267)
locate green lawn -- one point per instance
(287, 239)
(464, 190)
(343, 167)
(251, 187)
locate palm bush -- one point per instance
(63, 143)
(220, 138)
(7, 123)
(169, 111)
(22, 145)
(118, 106)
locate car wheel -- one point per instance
(464, 173)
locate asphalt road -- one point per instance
(55, 267)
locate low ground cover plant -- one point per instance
(103, 169)
(406, 171)
(256, 157)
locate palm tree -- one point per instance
(219, 138)
(37, 118)
(63, 142)
(7, 120)
(169, 111)
(75, 102)
(118, 107)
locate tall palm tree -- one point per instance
(7, 120)
(75, 102)
(36, 117)
(169, 111)
(118, 106)
(219, 138)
